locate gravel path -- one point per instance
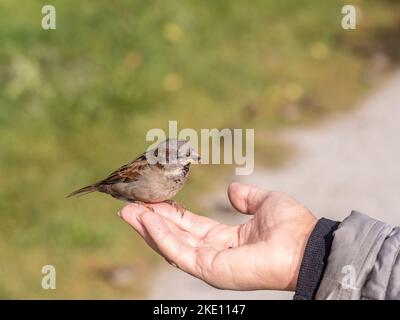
(351, 162)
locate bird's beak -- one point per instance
(195, 158)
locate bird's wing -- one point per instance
(127, 172)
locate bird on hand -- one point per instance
(155, 176)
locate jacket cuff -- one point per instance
(315, 259)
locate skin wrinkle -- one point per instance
(230, 271)
(259, 202)
(186, 222)
(207, 232)
(259, 267)
(189, 222)
(189, 238)
(191, 266)
(226, 237)
(214, 259)
(241, 233)
(205, 266)
(226, 240)
(291, 272)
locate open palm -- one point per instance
(263, 253)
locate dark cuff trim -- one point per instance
(315, 259)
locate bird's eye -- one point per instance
(188, 153)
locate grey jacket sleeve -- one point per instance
(364, 262)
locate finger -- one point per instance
(131, 214)
(171, 246)
(190, 238)
(245, 198)
(220, 236)
(199, 226)
(190, 222)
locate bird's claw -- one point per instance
(144, 204)
(178, 207)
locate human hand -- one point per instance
(263, 253)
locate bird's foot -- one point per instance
(144, 204)
(178, 207)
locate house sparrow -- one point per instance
(155, 176)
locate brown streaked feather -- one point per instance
(84, 190)
(127, 172)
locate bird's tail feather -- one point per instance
(84, 190)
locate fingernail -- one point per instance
(119, 213)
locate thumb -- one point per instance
(245, 198)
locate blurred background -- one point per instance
(77, 102)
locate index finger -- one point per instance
(199, 225)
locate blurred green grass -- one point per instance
(76, 103)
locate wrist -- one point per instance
(315, 259)
(302, 239)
